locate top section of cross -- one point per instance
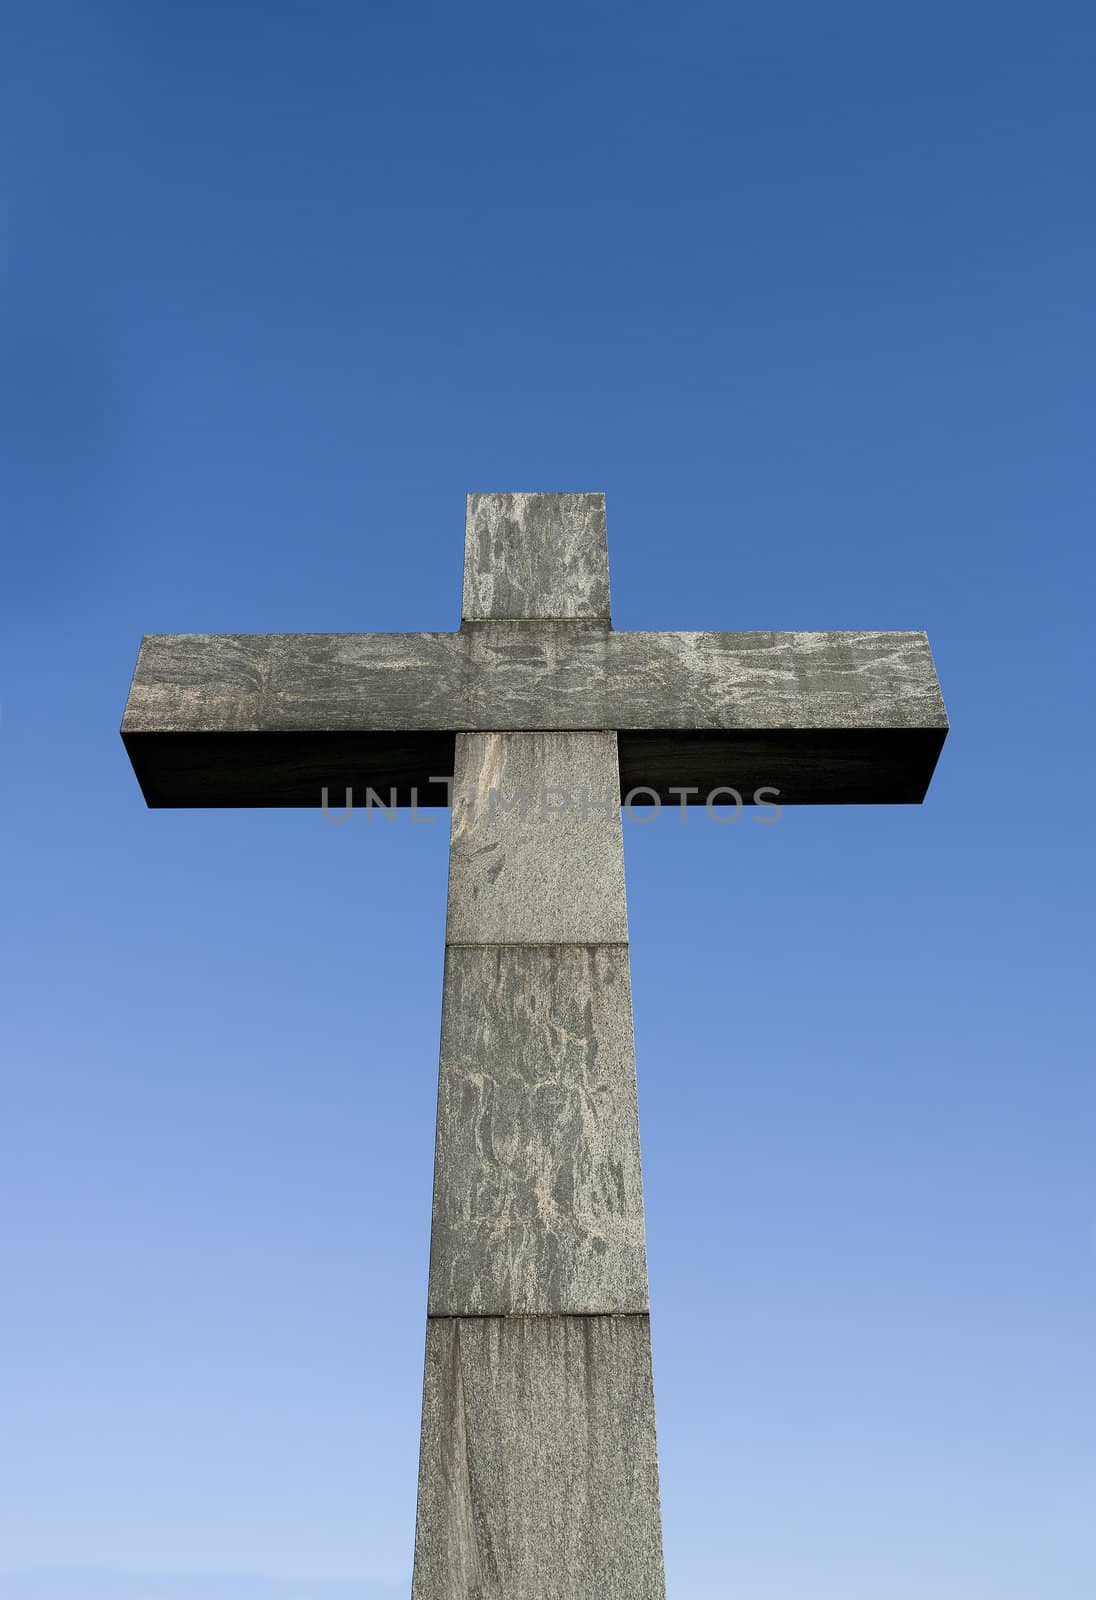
(536, 556)
(272, 719)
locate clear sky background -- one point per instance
(808, 291)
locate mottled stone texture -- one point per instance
(538, 1194)
(537, 675)
(536, 855)
(538, 1476)
(535, 555)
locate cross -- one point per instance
(538, 1475)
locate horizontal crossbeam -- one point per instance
(269, 719)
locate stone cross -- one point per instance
(538, 1472)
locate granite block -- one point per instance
(538, 1191)
(538, 1475)
(536, 853)
(535, 555)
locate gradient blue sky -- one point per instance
(808, 291)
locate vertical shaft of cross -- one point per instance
(538, 1472)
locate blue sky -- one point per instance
(808, 292)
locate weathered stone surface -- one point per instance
(536, 854)
(535, 555)
(538, 1476)
(545, 675)
(538, 1193)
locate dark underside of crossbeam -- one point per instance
(806, 766)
